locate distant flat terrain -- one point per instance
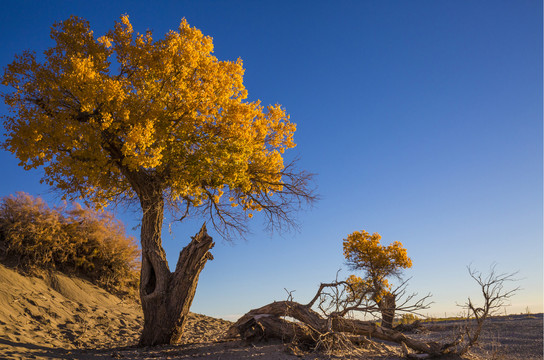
(509, 337)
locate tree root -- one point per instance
(314, 331)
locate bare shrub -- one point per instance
(407, 319)
(495, 297)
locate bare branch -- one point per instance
(495, 297)
(405, 303)
(278, 207)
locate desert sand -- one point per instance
(54, 316)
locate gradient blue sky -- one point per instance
(422, 119)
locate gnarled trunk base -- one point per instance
(166, 297)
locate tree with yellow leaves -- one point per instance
(364, 252)
(164, 123)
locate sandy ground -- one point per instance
(58, 317)
(513, 337)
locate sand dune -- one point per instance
(58, 311)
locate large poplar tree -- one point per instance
(163, 123)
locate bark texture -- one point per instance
(387, 307)
(166, 297)
(312, 326)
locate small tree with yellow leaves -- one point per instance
(364, 252)
(125, 117)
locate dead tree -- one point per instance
(495, 296)
(333, 302)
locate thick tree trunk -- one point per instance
(387, 307)
(166, 297)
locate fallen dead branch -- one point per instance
(267, 322)
(312, 329)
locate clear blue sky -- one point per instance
(422, 119)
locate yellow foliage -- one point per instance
(364, 252)
(98, 110)
(374, 289)
(358, 285)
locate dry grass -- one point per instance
(73, 240)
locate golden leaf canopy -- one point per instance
(100, 113)
(364, 252)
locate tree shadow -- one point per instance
(236, 349)
(13, 349)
